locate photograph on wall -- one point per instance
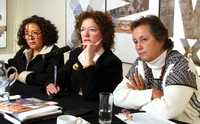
(122, 11)
(2, 23)
(123, 24)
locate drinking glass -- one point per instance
(105, 107)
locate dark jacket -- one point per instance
(41, 67)
(104, 76)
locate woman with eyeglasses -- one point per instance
(92, 67)
(36, 37)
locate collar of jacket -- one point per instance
(45, 49)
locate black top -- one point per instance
(42, 67)
(104, 76)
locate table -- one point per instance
(72, 104)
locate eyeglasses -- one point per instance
(89, 30)
(32, 34)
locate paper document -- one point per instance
(143, 118)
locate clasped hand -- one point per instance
(52, 89)
(137, 83)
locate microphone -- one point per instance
(58, 51)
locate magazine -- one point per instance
(24, 110)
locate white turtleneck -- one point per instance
(166, 106)
(157, 64)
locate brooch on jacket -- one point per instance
(76, 66)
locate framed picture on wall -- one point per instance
(122, 11)
(2, 23)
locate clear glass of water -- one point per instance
(105, 107)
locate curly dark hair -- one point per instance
(157, 28)
(104, 22)
(48, 30)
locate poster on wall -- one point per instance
(122, 11)
(182, 19)
(2, 23)
(188, 33)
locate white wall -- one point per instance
(53, 10)
(18, 10)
